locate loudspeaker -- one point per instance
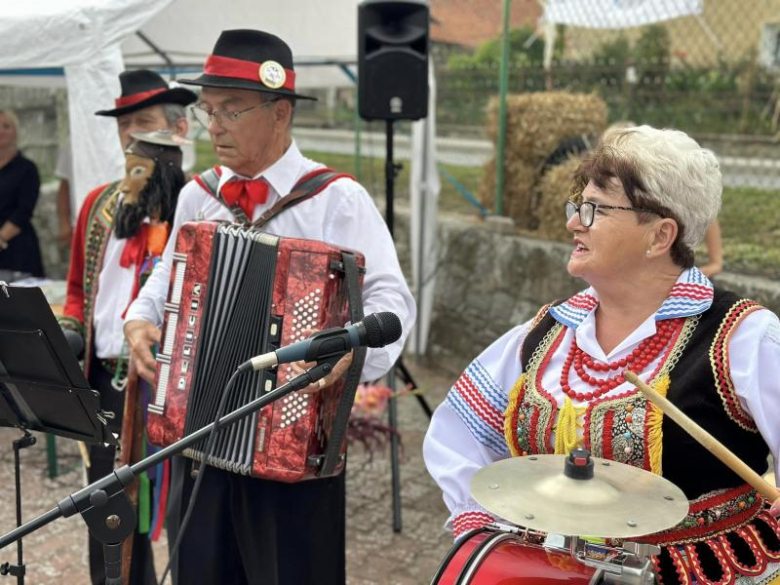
(393, 59)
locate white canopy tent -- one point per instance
(615, 14)
(83, 37)
(94, 40)
(317, 32)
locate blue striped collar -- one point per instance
(692, 294)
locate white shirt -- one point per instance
(115, 286)
(458, 443)
(343, 214)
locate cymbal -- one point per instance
(619, 501)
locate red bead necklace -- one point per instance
(642, 356)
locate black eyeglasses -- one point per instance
(587, 211)
(224, 118)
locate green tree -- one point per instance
(651, 55)
(522, 52)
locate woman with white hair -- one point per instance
(555, 383)
(19, 186)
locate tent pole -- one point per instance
(163, 55)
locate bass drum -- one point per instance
(489, 556)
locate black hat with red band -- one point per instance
(250, 59)
(144, 88)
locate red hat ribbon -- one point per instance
(229, 67)
(130, 100)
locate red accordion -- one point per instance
(235, 293)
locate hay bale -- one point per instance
(519, 182)
(555, 188)
(537, 123)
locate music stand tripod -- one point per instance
(399, 369)
(42, 387)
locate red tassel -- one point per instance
(162, 505)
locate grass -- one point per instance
(750, 228)
(749, 218)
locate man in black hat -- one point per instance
(243, 529)
(105, 273)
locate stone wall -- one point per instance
(43, 122)
(55, 255)
(43, 126)
(490, 279)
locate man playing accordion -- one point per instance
(244, 529)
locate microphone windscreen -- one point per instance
(382, 329)
(75, 342)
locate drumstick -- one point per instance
(707, 440)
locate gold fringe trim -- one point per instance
(510, 430)
(567, 430)
(655, 417)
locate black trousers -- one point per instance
(102, 463)
(252, 531)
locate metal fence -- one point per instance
(715, 72)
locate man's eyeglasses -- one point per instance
(224, 118)
(587, 211)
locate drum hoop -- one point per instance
(478, 555)
(465, 537)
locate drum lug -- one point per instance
(641, 550)
(637, 567)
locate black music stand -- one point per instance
(42, 387)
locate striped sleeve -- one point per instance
(466, 432)
(480, 404)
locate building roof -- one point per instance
(472, 22)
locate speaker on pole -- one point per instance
(393, 59)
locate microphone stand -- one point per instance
(398, 369)
(105, 506)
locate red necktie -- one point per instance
(246, 194)
(134, 251)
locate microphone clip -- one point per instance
(323, 367)
(327, 344)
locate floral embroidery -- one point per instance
(99, 223)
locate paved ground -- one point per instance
(375, 554)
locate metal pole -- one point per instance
(421, 236)
(163, 55)
(389, 178)
(503, 84)
(51, 455)
(392, 407)
(18, 479)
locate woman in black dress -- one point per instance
(19, 186)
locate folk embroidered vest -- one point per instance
(628, 428)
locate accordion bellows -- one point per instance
(235, 293)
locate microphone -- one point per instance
(375, 330)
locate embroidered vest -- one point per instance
(727, 532)
(617, 427)
(99, 224)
